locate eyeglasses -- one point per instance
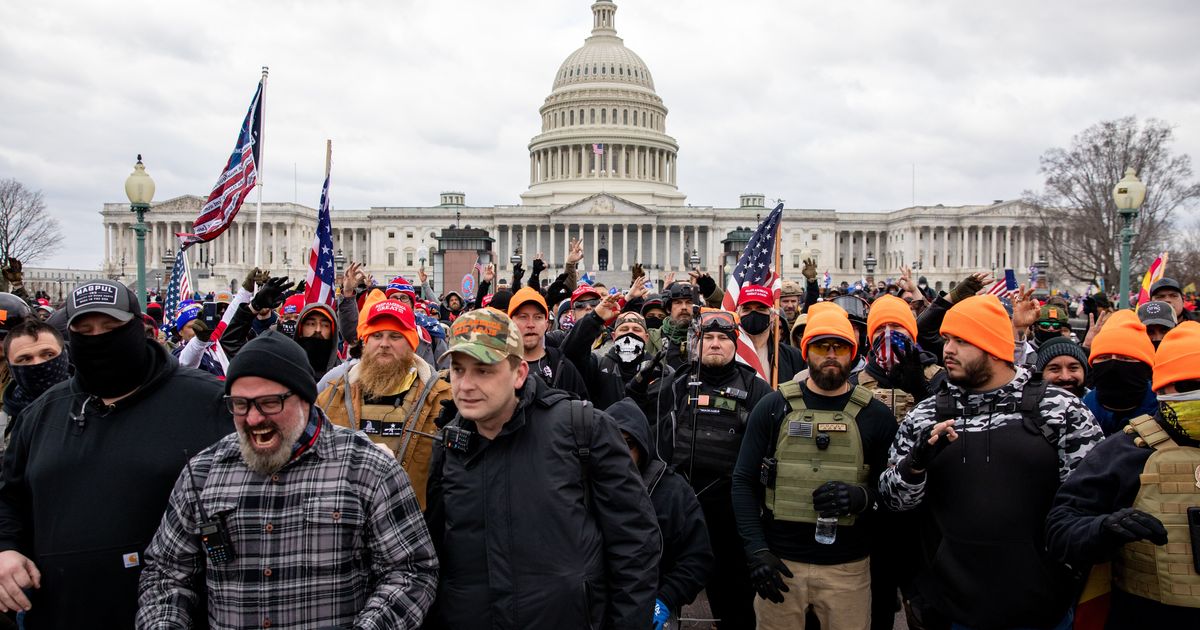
(266, 405)
(835, 348)
(717, 321)
(582, 304)
(1055, 326)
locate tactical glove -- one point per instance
(300, 288)
(765, 576)
(256, 277)
(909, 375)
(707, 285)
(270, 296)
(965, 289)
(641, 381)
(810, 269)
(539, 266)
(838, 498)
(203, 333)
(1129, 525)
(923, 452)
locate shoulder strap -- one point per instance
(1152, 435)
(860, 397)
(1031, 400)
(410, 423)
(792, 394)
(945, 407)
(581, 430)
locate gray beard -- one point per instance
(268, 463)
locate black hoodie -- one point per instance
(687, 557)
(84, 487)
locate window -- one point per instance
(814, 237)
(391, 259)
(572, 117)
(795, 261)
(408, 259)
(391, 235)
(603, 116)
(593, 117)
(626, 116)
(409, 233)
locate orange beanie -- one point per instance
(981, 321)
(1124, 335)
(889, 309)
(1178, 356)
(828, 321)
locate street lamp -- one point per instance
(869, 263)
(339, 261)
(140, 190)
(694, 259)
(516, 258)
(1128, 194)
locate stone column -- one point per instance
(654, 247)
(625, 247)
(638, 247)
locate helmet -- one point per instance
(856, 307)
(13, 311)
(679, 291)
(652, 301)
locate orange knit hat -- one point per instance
(828, 321)
(981, 321)
(889, 309)
(1178, 356)
(1125, 335)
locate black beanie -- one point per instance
(275, 357)
(1058, 347)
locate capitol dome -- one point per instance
(603, 127)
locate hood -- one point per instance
(333, 330)
(631, 420)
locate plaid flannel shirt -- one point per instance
(333, 539)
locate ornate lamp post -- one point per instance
(869, 263)
(694, 259)
(516, 258)
(339, 261)
(140, 190)
(1128, 194)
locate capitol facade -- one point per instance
(603, 169)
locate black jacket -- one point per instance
(81, 492)
(518, 546)
(687, 557)
(556, 372)
(606, 376)
(929, 326)
(1107, 480)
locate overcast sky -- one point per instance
(823, 104)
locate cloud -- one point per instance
(827, 105)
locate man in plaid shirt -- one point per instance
(291, 522)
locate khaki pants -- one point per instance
(840, 596)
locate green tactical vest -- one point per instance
(1170, 484)
(802, 467)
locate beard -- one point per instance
(267, 463)
(1073, 386)
(975, 374)
(713, 360)
(829, 374)
(382, 374)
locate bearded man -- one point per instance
(391, 395)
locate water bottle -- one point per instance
(826, 530)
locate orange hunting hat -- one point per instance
(831, 321)
(1178, 356)
(981, 321)
(889, 309)
(1124, 335)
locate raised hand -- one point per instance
(637, 289)
(1025, 309)
(489, 272)
(609, 307)
(575, 251)
(810, 269)
(350, 278)
(422, 276)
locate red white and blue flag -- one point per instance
(178, 290)
(1005, 287)
(320, 256)
(237, 179)
(756, 266)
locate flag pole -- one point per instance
(328, 155)
(262, 134)
(778, 313)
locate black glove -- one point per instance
(923, 452)
(965, 289)
(909, 375)
(838, 498)
(518, 275)
(203, 333)
(707, 285)
(765, 570)
(641, 381)
(539, 266)
(1129, 525)
(271, 294)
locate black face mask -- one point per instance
(1043, 336)
(34, 380)
(318, 350)
(756, 322)
(113, 363)
(654, 322)
(1121, 384)
(287, 327)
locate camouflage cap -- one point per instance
(791, 288)
(486, 335)
(1052, 313)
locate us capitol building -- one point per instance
(605, 169)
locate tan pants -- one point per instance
(840, 596)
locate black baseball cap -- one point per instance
(1165, 283)
(103, 296)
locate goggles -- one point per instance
(582, 304)
(718, 321)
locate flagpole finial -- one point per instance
(265, 71)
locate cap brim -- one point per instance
(1159, 322)
(115, 313)
(477, 351)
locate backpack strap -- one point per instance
(945, 408)
(581, 430)
(411, 423)
(1031, 400)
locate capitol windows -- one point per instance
(408, 235)
(603, 116)
(625, 114)
(391, 235)
(614, 118)
(572, 117)
(408, 259)
(391, 259)
(592, 120)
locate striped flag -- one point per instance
(756, 266)
(1157, 270)
(237, 179)
(178, 290)
(1005, 287)
(598, 149)
(319, 279)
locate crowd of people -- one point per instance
(549, 453)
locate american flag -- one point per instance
(756, 266)
(598, 149)
(1006, 287)
(178, 289)
(237, 179)
(320, 256)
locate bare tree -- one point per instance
(27, 232)
(1077, 199)
(1184, 264)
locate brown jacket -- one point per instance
(413, 450)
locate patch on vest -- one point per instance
(800, 429)
(1198, 476)
(832, 426)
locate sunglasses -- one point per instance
(1054, 326)
(836, 348)
(266, 405)
(582, 304)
